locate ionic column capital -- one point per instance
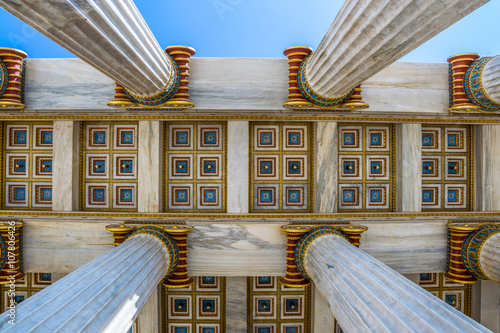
(173, 235)
(301, 234)
(473, 251)
(301, 96)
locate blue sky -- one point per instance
(262, 28)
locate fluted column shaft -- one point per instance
(491, 79)
(369, 35)
(111, 36)
(367, 296)
(489, 257)
(105, 295)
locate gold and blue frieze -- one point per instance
(200, 307)
(446, 167)
(108, 166)
(27, 163)
(366, 173)
(280, 167)
(273, 307)
(195, 167)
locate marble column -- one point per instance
(491, 79)
(409, 167)
(237, 166)
(325, 170)
(105, 295)
(236, 307)
(367, 36)
(149, 317)
(149, 167)
(367, 296)
(111, 36)
(65, 165)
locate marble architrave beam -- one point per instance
(235, 86)
(233, 247)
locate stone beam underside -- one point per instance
(234, 246)
(236, 87)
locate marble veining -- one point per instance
(236, 307)
(237, 167)
(325, 200)
(409, 167)
(235, 85)
(148, 188)
(237, 248)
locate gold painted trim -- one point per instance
(284, 216)
(362, 118)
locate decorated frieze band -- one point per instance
(466, 239)
(11, 247)
(300, 235)
(175, 95)
(301, 97)
(467, 91)
(173, 235)
(12, 78)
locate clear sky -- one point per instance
(262, 28)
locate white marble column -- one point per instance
(149, 167)
(236, 306)
(369, 35)
(149, 317)
(491, 79)
(105, 295)
(65, 165)
(409, 167)
(368, 296)
(237, 166)
(325, 169)
(111, 36)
